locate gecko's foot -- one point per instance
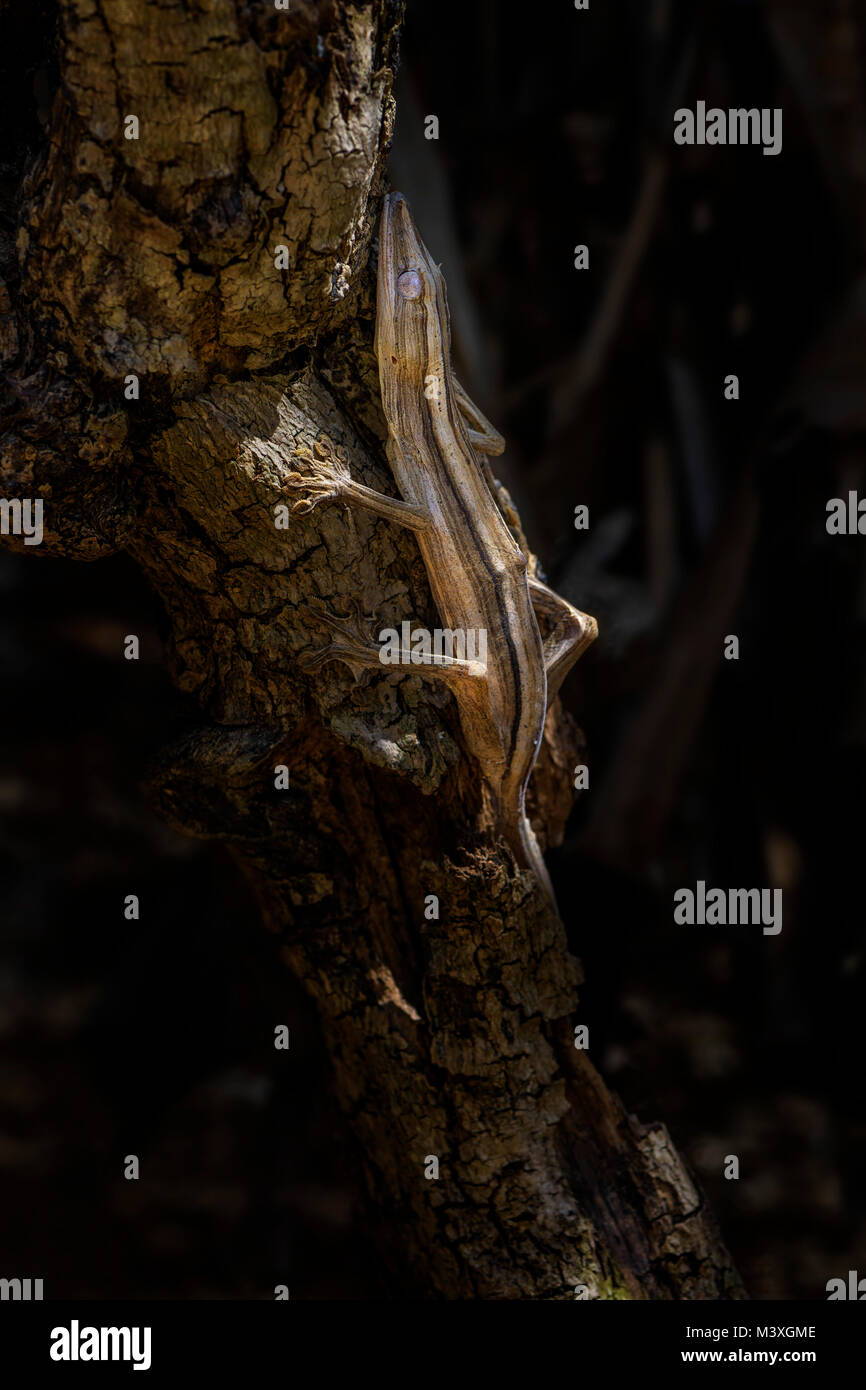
(353, 642)
(327, 472)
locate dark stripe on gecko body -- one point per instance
(432, 443)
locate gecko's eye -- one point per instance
(410, 285)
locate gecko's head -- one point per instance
(412, 329)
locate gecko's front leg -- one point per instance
(484, 437)
(327, 479)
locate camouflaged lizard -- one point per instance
(476, 568)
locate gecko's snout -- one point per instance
(397, 217)
(403, 259)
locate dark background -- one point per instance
(707, 518)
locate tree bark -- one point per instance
(450, 1037)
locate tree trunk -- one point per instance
(155, 258)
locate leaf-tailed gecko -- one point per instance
(476, 569)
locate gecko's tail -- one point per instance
(527, 851)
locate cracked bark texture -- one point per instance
(155, 257)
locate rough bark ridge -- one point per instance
(155, 257)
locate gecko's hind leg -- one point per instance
(570, 636)
(327, 479)
(353, 644)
